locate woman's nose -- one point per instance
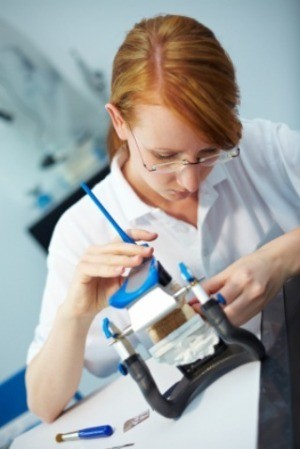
(189, 177)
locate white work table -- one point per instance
(224, 415)
(255, 406)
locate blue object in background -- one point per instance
(15, 418)
(43, 200)
(12, 397)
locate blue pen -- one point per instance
(90, 432)
(125, 237)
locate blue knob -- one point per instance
(123, 370)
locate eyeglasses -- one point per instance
(220, 157)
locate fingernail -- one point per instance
(221, 299)
(147, 249)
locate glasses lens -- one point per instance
(211, 160)
(167, 167)
(222, 157)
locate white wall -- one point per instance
(262, 36)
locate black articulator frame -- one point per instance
(236, 347)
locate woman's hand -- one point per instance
(252, 281)
(99, 273)
(247, 286)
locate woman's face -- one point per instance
(160, 137)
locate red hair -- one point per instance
(178, 62)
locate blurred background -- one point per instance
(55, 66)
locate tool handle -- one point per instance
(96, 432)
(125, 237)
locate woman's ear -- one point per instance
(117, 121)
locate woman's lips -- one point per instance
(180, 193)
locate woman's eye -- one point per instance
(164, 156)
(208, 153)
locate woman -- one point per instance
(175, 123)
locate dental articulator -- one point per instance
(202, 349)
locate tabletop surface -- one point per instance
(224, 415)
(251, 407)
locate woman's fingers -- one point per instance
(247, 285)
(102, 268)
(114, 258)
(243, 308)
(88, 271)
(117, 247)
(141, 234)
(231, 290)
(214, 284)
(115, 266)
(237, 279)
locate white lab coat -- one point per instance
(243, 204)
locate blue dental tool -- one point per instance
(125, 237)
(88, 433)
(143, 278)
